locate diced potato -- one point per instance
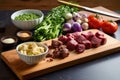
(31, 49)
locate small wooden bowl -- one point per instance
(9, 44)
(24, 35)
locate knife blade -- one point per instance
(101, 12)
(90, 9)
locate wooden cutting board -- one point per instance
(24, 71)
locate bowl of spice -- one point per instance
(9, 41)
(24, 35)
(27, 19)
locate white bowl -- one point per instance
(32, 59)
(28, 24)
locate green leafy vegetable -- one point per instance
(51, 26)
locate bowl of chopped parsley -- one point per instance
(27, 19)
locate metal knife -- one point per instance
(90, 9)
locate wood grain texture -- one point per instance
(24, 71)
(49, 4)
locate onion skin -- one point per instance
(85, 26)
(67, 27)
(68, 16)
(76, 27)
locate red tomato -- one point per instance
(109, 27)
(94, 22)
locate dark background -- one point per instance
(49, 4)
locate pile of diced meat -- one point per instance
(75, 41)
(57, 50)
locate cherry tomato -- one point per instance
(109, 27)
(94, 21)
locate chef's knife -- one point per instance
(90, 9)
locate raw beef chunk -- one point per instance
(96, 42)
(88, 35)
(56, 53)
(56, 43)
(64, 52)
(71, 45)
(104, 40)
(101, 36)
(70, 37)
(80, 48)
(76, 34)
(80, 39)
(87, 44)
(63, 38)
(50, 53)
(97, 34)
(60, 52)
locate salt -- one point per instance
(8, 40)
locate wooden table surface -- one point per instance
(49, 4)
